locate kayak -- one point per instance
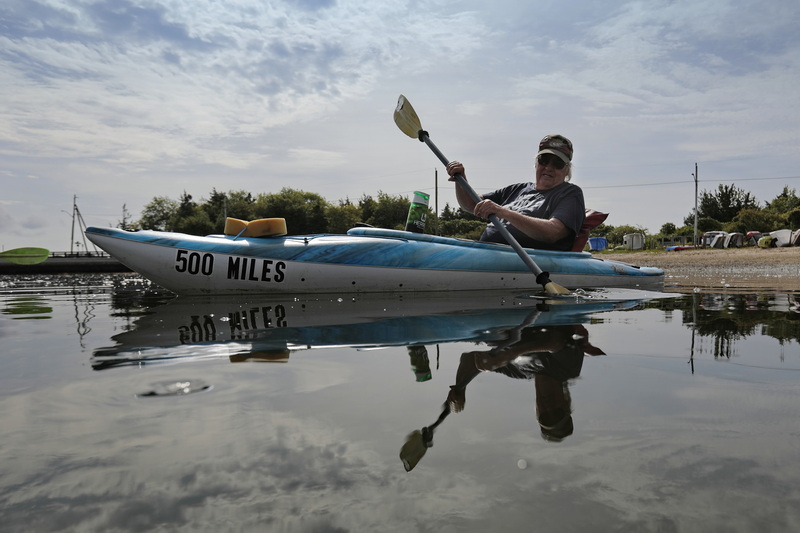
(364, 260)
(245, 328)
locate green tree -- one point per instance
(602, 230)
(756, 220)
(705, 224)
(447, 213)
(241, 205)
(367, 205)
(460, 224)
(723, 205)
(233, 204)
(198, 223)
(186, 205)
(389, 211)
(785, 202)
(617, 234)
(793, 217)
(305, 212)
(216, 208)
(126, 223)
(191, 218)
(668, 229)
(342, 217)
(462, 228)
(159, 214)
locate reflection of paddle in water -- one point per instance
(418, 442)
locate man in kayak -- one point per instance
(546, 214)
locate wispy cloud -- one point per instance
(133, 82)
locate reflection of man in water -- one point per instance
(549, 356)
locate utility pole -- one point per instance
(74, 211)
(694, 238)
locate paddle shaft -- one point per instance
(541, 277)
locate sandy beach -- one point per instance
(737, 268)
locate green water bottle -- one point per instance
(418, 213)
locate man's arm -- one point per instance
(545, 230)
(464, 200)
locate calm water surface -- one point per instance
(126, 409)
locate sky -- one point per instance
(112, 103)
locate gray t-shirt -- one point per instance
(563, 202)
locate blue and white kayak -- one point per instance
(364, 260)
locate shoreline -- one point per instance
(777, 269)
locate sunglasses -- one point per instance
(550, 159)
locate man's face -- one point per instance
(547, 175)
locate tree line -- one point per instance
(305, 213)
(735, 210)
(728, 208)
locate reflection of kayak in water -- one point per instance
(241, 328)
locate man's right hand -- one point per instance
(453, 168)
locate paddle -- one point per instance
(407, 120)
(25, 256)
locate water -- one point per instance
(125, 409)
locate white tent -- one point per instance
(633, 241)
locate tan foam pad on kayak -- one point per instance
(266, 227)
(263, 227)
(234, 226)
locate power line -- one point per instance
(635, 185)
(759, 179)
(683, 182)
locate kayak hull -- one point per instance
(365, 260)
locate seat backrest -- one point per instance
(592, 220)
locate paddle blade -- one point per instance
(406, 118)
(25, 256)
(554, 288)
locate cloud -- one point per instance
(677, 72)
(127, 83)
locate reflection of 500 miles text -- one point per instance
(203, 328)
